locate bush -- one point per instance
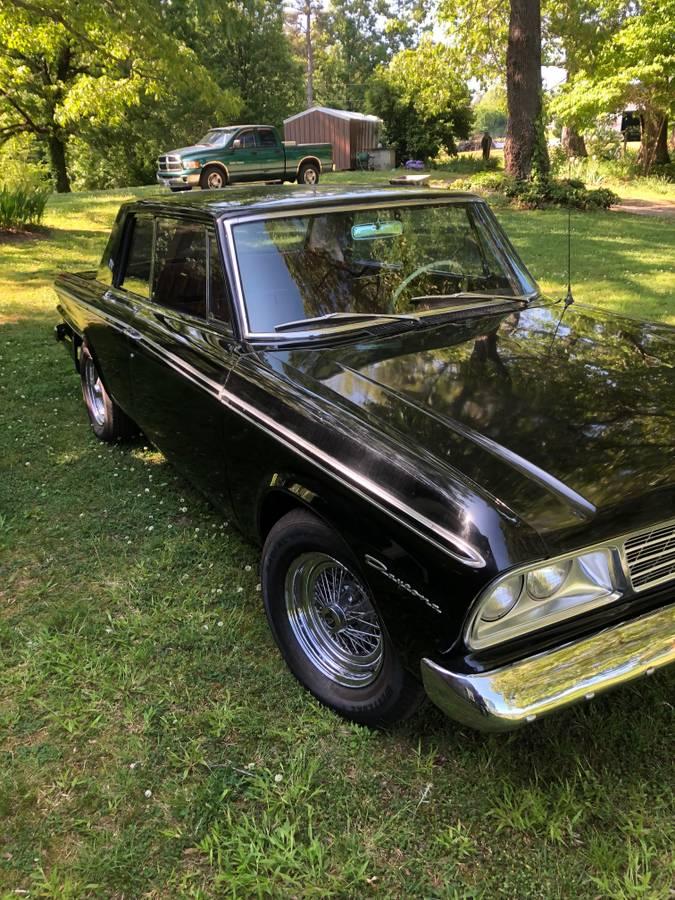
(22, 205)
(540, 193)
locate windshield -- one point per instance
(217, 137)
(392, 260)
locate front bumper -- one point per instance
(508, 697)
(178, 179)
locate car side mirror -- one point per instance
(236, 144)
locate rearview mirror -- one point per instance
(373, 230)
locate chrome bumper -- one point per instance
(526, 690)
(177, 180)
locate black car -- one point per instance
(459, 486)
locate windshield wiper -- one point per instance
(289, 326)
(467, 295)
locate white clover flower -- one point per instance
(278, 777)
(148, 793)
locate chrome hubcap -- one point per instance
(93, 392)
(333, 620)
(215, 180)
(310, 176)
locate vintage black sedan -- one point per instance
(460, 487)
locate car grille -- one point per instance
(169, 163)
(651, 557)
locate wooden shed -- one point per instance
(348, 132)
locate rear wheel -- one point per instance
(108, 421)
(326, 625)
(309, 173)
(212, 178)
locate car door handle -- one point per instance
(133, 334)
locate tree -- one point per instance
(572, 33)
(354, 37)
(525, 147)
(424, 103)
(67, 70)
(634, 66)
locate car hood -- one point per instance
(186, 151)
(566, 419)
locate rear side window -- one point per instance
(179, 280)
(136, 277)
(266, 138)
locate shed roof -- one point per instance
(338, 113)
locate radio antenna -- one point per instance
(569, 299)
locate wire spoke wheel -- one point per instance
(93, 391)
(333, 620)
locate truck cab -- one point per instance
(241, 153)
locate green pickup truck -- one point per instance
(242, 153)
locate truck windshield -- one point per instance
(217, 137)
(394, 260)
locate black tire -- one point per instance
(212, 178)
(309, 174)
(108, 421)
(386, 693)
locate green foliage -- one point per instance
(22, 205)
(540, 193)
(424, 103)
(490, 112)
(353, 37)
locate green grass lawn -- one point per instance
(152, 742)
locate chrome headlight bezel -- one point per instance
(594, 577)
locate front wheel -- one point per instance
(108, 421)
(324, 621)
(212, 178)
(308, 174)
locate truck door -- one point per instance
(243, 162)
(272, 155)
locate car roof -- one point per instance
(236, 202)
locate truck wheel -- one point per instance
(108, 421)
(325, 624)
(212, 178)
(309, 173)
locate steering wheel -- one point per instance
(426, 268)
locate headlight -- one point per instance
(544, 582)
(525, 601)
(502, 599)
(191, 164)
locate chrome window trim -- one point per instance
(227, 224)
(615, 544)
(363, 486)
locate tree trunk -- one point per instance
(525, 146)
(654, 143)
(310, 56)
(57, 160)
(662, 154)
(573, 142)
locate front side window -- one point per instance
(136, 276)
(247, 140)
(392, 260)
(179, 280)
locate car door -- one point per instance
(182, 361)
(124, 275)
(244, 161)
(271, 154)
